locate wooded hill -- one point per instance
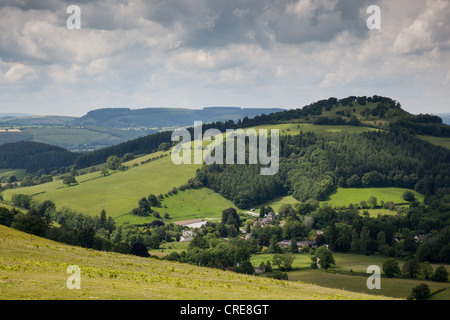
(376, 112)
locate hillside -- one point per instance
(26, 260)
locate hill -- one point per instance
(33, 156)
(25, 260)
(111, 126)
(165, 117)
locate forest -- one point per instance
(312, 166)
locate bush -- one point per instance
(421, 292)
(408, 196)
(139, 249)
(391, 267)
(440, 274)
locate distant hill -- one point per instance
(33, 120)
(107, 127)
(165, 117)
(14, 115)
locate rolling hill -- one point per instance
(26, 260)
(111, 126)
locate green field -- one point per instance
(438, 141)
(295, 128)
(19, 173)
(346, 196)
(117, 193)
(35, 268)
(349, 273)
(188, 204)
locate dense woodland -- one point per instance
(312, 166)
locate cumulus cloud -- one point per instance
(196, 53)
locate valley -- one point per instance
(356, 177)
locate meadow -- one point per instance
(200, 203)
(34, 268)
(346, 196)
(19, 173)
(118, 193)
(438, 141)
(349, 273)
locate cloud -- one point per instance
(195, 53)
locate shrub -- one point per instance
(421, 292)
(440, 274)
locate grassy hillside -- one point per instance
(36, 268)
(118, 192)
(438, 141)
(346, 196)
(188, 204)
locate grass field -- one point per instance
(349, 273)
(346, 196)
(295, 128)
(438, 141)
(19, 173)
(188, 204)
(117, 193)
(35, 268)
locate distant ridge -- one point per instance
(166, 117)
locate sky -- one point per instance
(199, 53)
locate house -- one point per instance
(266, 220)
(259, 270)
(188, 235)
(300, 244)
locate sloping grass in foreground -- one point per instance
(36, 268)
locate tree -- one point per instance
(408, 196)
(274, 247)
(411, 268)
(293, 247)
(391, 268)
(139, 249)
(354, 245)
(440, 274)
(104, 172)
(113, 162)
(364, 240)
(153, 201)
(6, 216)
(230, 216)
(268, 266)
(283, 261)
(426, 270)
(29, 223)
(127, 157)
(381, 242)
(69, 180)
(143, 204)
(325, 256)
(420, 292)
(372, 202)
